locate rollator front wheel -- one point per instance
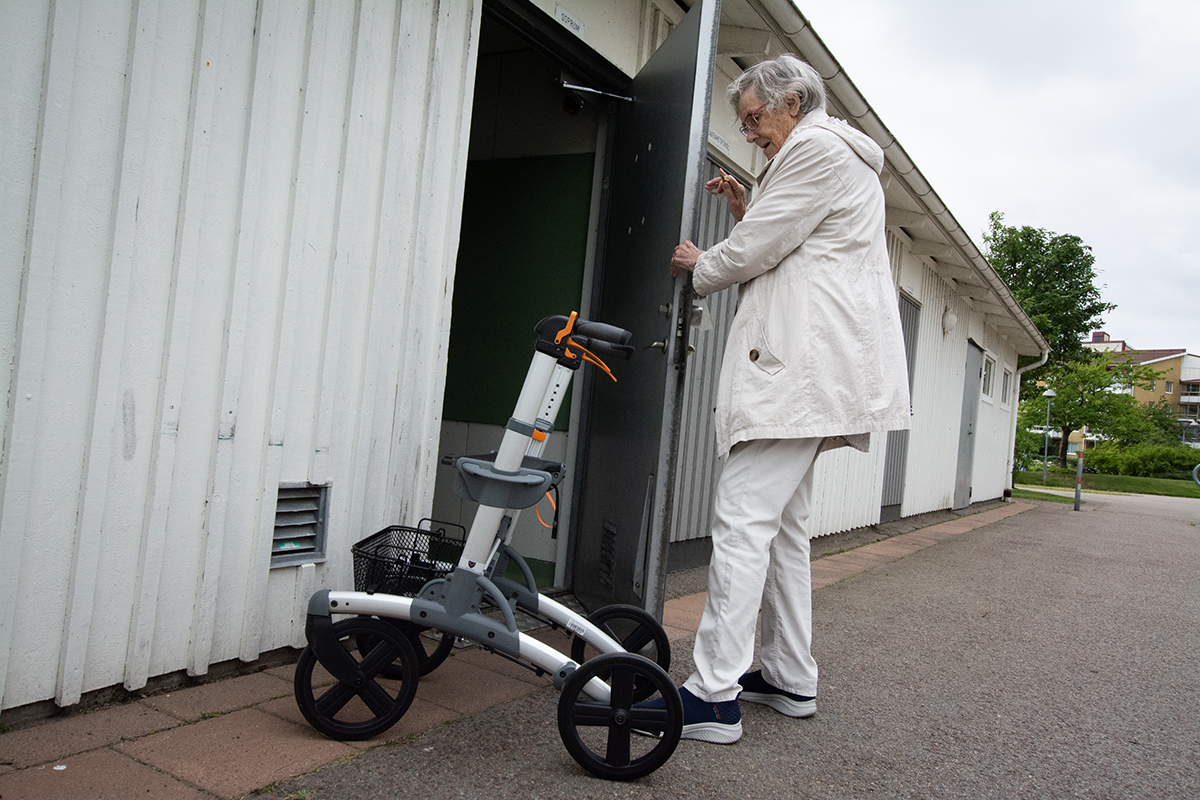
(374, 702)
(430, 654)
(637, 631)
(621, 739)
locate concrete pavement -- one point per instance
(1041, 655)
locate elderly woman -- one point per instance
(815, 360)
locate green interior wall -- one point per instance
(520, 258)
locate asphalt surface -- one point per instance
(1053, 654)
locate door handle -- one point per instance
(691, 348)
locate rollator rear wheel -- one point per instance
(621, 739)
(430, 653)
(637, 631)
(375, 702)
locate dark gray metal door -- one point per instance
(896, 458)
(624, 512)
(966, 433)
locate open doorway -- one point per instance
(530, 209)
(574, 199)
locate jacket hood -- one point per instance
(859, 142)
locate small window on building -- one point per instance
(989, 368)
(299, 534)
(1006, 387)
(1154, 386)
(1170, 387)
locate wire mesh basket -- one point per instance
(400, 560)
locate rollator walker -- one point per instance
(410, 586)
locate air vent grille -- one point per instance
(299, 534)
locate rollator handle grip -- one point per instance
(609, 350)
(602, 332)
(549, 330)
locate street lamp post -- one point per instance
(1049, 394)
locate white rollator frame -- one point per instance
(603, 700)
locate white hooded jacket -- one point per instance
(816, 348)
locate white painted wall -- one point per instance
(989, 477)
(226, 248)
(938, 392)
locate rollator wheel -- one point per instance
(636, 630)
(347, 712)
(430, 654)
(620, 739)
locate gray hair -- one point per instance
(775, 80)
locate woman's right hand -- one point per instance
(735, 193)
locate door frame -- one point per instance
(588, 67)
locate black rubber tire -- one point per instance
(348, 713)
(429, 656)
(636, 630)
(653, 731)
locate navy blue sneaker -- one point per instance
(755, 689)
(716, 723)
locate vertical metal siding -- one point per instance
(897, 441)
(698, 471)
(936, 395)
(233, 245)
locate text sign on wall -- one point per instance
(569, 21)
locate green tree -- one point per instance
(1053, 277)
(1151, 424)
(1092, 393)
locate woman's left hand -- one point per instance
(735, 193)
(684, 258)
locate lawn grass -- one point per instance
(1029, 494)
(1111, 483)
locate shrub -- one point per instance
(1144, 460)
(1027, 451)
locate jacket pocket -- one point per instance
(760, 353)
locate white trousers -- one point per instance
(760, 558)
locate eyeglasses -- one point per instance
(752, 123)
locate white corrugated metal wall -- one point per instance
(938, 391)
(936, 395)
(990, 475)
(226, 254)
(698, 471)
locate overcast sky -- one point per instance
(1078, 116)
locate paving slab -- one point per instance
(682, 617)
(98, 775)
(868, 558)
(691, 602)
(674, 633)
(420, 717)
(220, 697)
(79, 733)
(467, 689)
(236, 753)
(838, 567)
(896, 548)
